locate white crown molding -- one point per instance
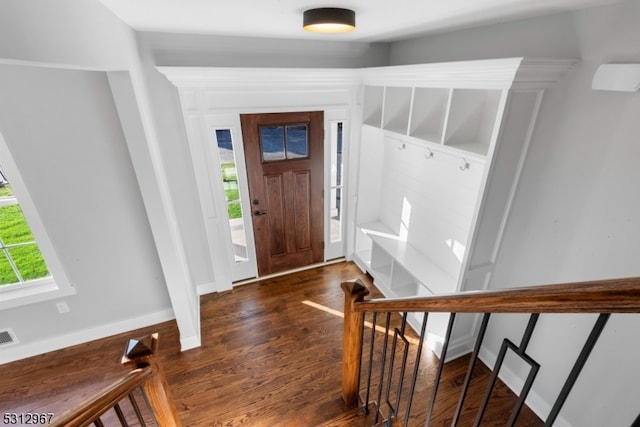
(503, 73)
(209, 77)
(540, 73)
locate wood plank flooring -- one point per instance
(270, 356)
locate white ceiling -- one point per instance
(376, 20)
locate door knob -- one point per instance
(258, 213)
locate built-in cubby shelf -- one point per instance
(429, 112)
(372, 105)
(463, 119)
(472, 118)
(397, 107)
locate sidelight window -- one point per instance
(336, 182)
(227, 156)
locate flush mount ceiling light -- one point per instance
(329, 20)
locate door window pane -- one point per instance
(272, 143)
(284, 142)
(297, 142)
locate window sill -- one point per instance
(12, 296)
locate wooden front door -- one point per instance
(284, 157)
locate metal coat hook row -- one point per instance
(429, 155)
(465, 164)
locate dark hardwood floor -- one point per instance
(270, 356)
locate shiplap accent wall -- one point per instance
(430, 197)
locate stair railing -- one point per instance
(604, 297)
(146, 379)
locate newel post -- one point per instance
(140, 353)
(352, 340)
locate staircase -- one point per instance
(141, 398)
(385, 381)
(380, 368)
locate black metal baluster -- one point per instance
(535, 367)
(154, 421)
(532, 373)
(533, 320)
(136, 409)
(384, 361)
(443, 356)
(416, 369)
(403, 368)
(361, 354)
(398, 333)
(120, 414)
(507, 344)
(392, 359)
(98, 423)
(472, 364)
(577, 368)
(370, 369)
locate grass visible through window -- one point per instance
(230, 180)
(6, 191)
(18, 245)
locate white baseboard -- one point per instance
(188, 343)
(207, 288)
(459, 347)
(22, 351)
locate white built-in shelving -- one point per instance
(463, 119)
(440, 154)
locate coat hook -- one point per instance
(465, 164)
(430, 155)
(402, 147)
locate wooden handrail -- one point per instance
(140, 354)
(93, 407)
(599, 296)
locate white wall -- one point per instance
(64, 134)
(224, 51)
(576, 213)
(78, 34)
(550, 36)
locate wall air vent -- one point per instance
(7, 337)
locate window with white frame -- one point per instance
(25, 276)
(20, 258)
